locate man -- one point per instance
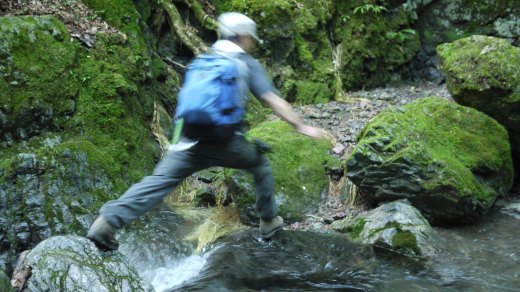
(238, 35)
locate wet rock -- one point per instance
(452, 169)
(396, 226)
(42, 199)
(72, 263)
(291, 260)
(205, 197)
(5, 282)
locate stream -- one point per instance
(481, 257)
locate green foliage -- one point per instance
(401, 35)
(369, 7)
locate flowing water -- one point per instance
(481, 257)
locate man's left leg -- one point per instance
(142, 196)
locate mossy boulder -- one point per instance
(482, 72)
(452, 162)
(72, 263)
(395, 226)
(298, 166)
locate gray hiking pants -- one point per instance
(239, 153)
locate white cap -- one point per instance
(231, 24)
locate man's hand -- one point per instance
(312, 132)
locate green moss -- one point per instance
(298, 166)
(105, 115)
(311, 92)
(304, 53)
(37, 66)
(405, 240)
(123, 15)
(482, 72)
(354, 230)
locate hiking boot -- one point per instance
(103, 234)
(269, 228)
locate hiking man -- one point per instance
(203, 146)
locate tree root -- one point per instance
(185, 33)
(207, 21)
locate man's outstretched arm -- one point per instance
(284, 110)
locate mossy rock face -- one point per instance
(73, 263)
(450, 161)
(74, 129)
(395, 226)
(482, 72)
(298, 166)
(370, 45)
(317, 49)
(37, 80)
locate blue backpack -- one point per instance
(210, 94)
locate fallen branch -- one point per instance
(169, 60)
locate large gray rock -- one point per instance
(43, 196)
(395, 226)
(450, 161)
(72, 263)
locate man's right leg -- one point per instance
(142, 196)
(242, 154)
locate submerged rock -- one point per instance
(451, 162)
(73, 263)
(395, 226)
